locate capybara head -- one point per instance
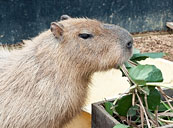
(92, 44)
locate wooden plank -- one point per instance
(169, 24)
(100, 118)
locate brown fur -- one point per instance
(44, 84)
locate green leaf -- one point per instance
(164, 106)
(121, 126)
(142, 74)
(138, 57)
(123, 105)
(153, 99)
(146, 89)
(127, 65)
(154, 55)
(143, 56)
(108, 105)
(133, 110)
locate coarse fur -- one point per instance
(44, 84)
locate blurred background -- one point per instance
(24, 19)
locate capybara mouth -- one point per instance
(117, 66)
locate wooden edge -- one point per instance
(100, 118)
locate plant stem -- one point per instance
(146, 103)
(123, 68)
(156, 116)
(170, 114)
(132, 63)
(148, 123)
(142, 116)
(167, 126)
(152, 117)
(159, 85)
(164, 95)
(165, 121)
(133, 99)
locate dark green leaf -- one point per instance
(127, 65)
(151, 87)
(153, 99)
(142, 74)
(138, 57)
(143, 56)
(162, 107)
(121, 126)
(108, 105)
(123, 105)
(133, 110)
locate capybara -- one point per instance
(44, 84)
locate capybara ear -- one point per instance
(57, 29)
(65, 17)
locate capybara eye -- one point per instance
(85, 35)
(129, 44)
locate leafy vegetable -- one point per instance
(123, 105)
(142, 74)
(133, 110)
(142, 104)
(153, 99)
(108, 106)
(143, 56)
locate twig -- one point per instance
(156, 116)
(167, 126)
(152, 117)
(133, 99)
(164, 95)
(159, 85)
(126, 73)
(155, 122)
(169, 97)
(149, 114)
(170, 114)
(142, 116)
(148, 123)
(165, 121)
(132, 63)
(146, 103)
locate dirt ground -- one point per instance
(155, 43)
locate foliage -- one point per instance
(142, 106)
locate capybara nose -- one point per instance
(129, 44)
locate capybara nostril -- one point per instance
(129, 45)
